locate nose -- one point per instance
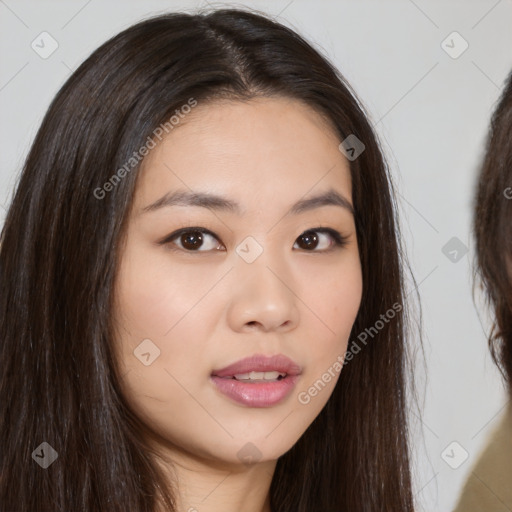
(263, 297)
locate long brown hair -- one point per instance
(492, 224)
(60, 247)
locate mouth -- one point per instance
(258, 381)
(273, 376)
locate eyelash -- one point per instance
(340, 240)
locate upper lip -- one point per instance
(260, 363)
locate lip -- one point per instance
(260, 363)
(260, 394)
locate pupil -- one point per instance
(192, 240)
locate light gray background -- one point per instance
(431, 112)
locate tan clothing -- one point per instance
(489, 486)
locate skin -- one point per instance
(207, 309)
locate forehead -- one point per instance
(264, 149)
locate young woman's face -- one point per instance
(257, 273)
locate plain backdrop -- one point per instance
(430, 99)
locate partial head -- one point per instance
(231, 122)
(493, 229)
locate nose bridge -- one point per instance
(263, 292)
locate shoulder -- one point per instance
(488, 488)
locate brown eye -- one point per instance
(308, 240)
(193, 240)
(314, 238)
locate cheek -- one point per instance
(334, 296)
(333, 302)
(156, 295)
(157, 308)
(159, 303)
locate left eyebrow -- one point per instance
(328, 198)
(215, 202)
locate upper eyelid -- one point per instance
(180, 231)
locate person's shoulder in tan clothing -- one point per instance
(489, 485)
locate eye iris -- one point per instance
(311, 240)
(191, 239)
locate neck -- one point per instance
(201, 485)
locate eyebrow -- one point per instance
(216, 202)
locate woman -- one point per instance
(202, 302)
(488, 487)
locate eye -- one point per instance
(309, 240)
(193, 239)
(197, 239)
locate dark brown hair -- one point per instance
(60, 247)
(492, 225)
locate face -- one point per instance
(237, 290)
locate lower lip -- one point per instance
(256, 394)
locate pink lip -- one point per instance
(264, 394)
(259, 363)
